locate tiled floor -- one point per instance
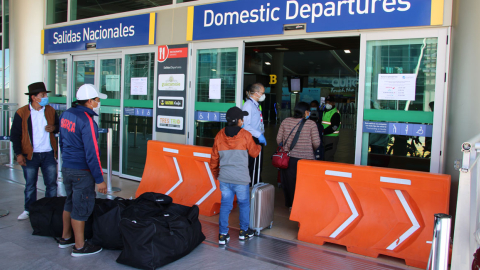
(20, 250)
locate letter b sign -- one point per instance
(273, 79)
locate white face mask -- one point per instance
(328, 106)
(262, 98)
(97, 109)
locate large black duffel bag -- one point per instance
(154, 241)
(46, 217)
(146, 205)
(106, 217)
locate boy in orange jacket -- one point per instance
(229, 164)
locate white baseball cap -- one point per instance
(88, 91)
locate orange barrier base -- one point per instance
(182, 172)
(369, 210)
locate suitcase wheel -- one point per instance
(271, 225)
(257, 232)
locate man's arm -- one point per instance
(16, 134)
(92, 151)
(215, 160)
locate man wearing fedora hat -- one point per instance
(34, 143)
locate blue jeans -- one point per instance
(243, 201)
(47, 163)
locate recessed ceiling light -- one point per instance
(302, 53)
(347, 51)
(214, 69)
(267, 63)
(282, 49)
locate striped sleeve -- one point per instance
(92, 151)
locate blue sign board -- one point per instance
(121, 32)
(398, 129)
(102, 130)
(223, 117)
(129, 111)
(208, 116)
(143, 112)
(266, 17)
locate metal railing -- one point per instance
(468, 205)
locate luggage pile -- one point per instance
(151, 230)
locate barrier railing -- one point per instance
(370, 210)
(441, 243)
(182, 172)
(466, 236)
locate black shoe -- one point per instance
(62, 243)
(243, 235)
(223, 238)
(88, 249)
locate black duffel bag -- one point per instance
(106, 217)
(152, 242)
(46, 217)
(146, 205)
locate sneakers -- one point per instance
(243, 235)
(62, 243)
(88, 249)
(223, 238)
(23, 215)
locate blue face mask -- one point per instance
(313, 109)
(44, 101)
(308, 116)
(242, 125)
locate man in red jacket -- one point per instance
(229, 164)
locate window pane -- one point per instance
(81, 9)
(184, 1)
(57, 11)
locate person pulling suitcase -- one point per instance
(229, 164)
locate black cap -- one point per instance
(235, 113)
(330, 98)
(314, 114)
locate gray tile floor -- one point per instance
(19, 249)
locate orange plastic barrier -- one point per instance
(182, 172)
(369, 210)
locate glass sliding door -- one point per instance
(403, 90)
(138, 95)
(110, 67)
(56, 82)
(221, 64)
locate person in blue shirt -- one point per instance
(254, 124)
(81, 168)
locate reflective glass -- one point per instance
(57, 11)
(57, 83)
(81, 9)
(398, 114)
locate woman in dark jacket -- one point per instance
(308, 140)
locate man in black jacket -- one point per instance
(35, 145)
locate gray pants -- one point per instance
(330, 143)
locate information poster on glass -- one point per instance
(396, 86)
(113, 82)
(138, 86)
(215, 89)
(171, 95)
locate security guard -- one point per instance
(331, 124)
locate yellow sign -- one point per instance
(357, 68)
(273, 79)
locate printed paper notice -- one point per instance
(396, 86)
(214, 89)
(138, 86)
(113, 82)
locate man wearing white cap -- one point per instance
(81, 168)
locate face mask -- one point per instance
(262, 98)
(97, 109)
(313, 109)
(308, 116)
(328, 106)
(43, 102)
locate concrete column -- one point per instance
(277, 69)
(464, 94)
(26, 60)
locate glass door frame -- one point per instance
(122, 87)
(192, 91)
(439, 117)
(69, 65)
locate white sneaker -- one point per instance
(23, 215)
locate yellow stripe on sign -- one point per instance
(42, 49)
(151, 33)
(437, 12)
(190, 24)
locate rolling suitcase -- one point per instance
(262, 200)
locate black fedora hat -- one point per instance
(36, 88)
